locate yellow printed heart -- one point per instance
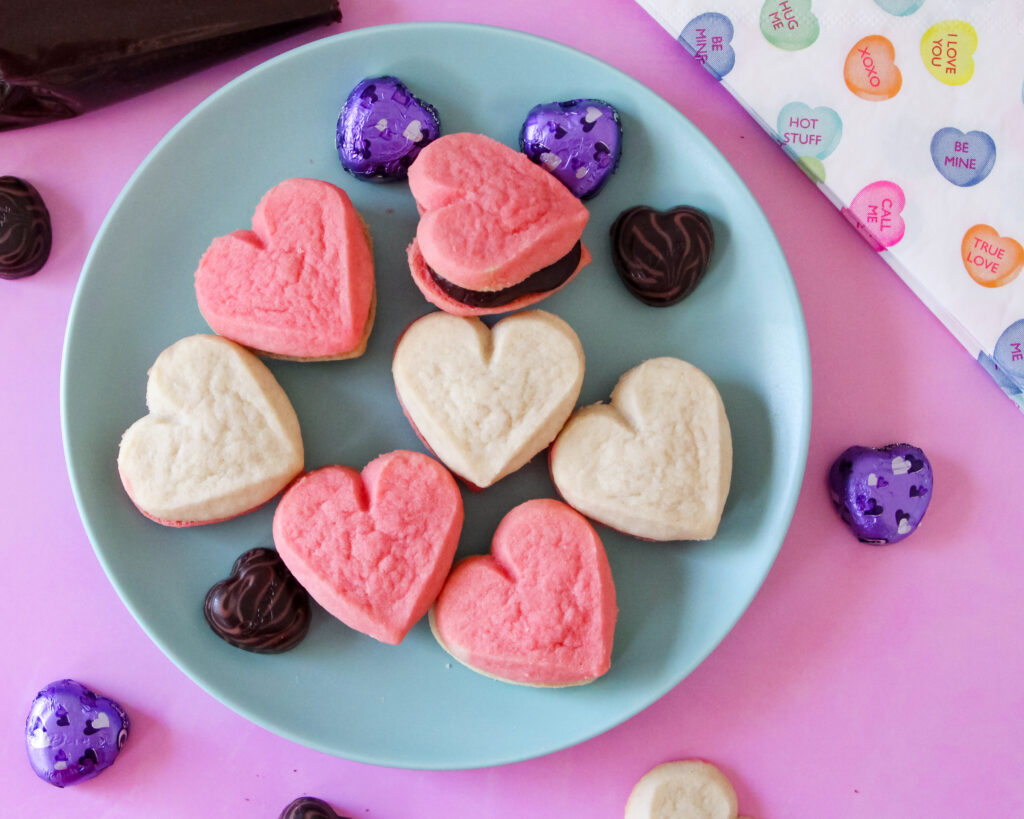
(221, 436)
(947, 49)
(487, 400)
(990, 259)
(656, 462)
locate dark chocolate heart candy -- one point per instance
(309, 807)
(25, 233)
(661, 256)
(882, 494)
(72, 734)
(261, 607)
(382, 128)
(578, 141)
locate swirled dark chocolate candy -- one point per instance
(25, 234)
(260, 607)
(309, 807)
(661, 256)
(578, 141)
(382, 128)
(881, 494)
(72, 734)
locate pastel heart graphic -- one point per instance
(578, 141)
(382, 128)
(300, 283)
(540, 608)
(990, 259)
(220, 439)
(1009, 353)
(870, 70)
(876, 211)
(881, 494)
(72, 734)
(688, 789)
(374, 548)
(789, 24)
(708, 38)
(813, 167)
(486, 401)
(807, 131)
(656, 462)
(947, 49)
(899, 8)
(963, 159)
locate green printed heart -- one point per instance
(947, 50)
(807, 131)
(789, 24)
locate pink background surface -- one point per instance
(861, 682)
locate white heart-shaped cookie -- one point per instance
(486, 400)
(689, 789)
(656, 462)
(221, 436)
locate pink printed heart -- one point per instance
(876, 212)
(486, 207)
(372, 549)
(299, 284)
(540, 609)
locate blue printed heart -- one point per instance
(963, 159)
(1009, 352)
(708, 38)
(807, 131)
(899, 8)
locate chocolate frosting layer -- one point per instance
(260, 607)
(547, 278)
(25, 233)
(309, 807)
(661, 256)
(61, 59)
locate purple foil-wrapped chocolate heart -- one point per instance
(882, 494)
(578, 141)
(72, 734)
(382, 129)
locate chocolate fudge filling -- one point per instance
(547, 278)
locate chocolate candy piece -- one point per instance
(72, 734)
(547, 278)
(60, 59)
(661, 256)
(260, 607)
(578, 141)
(25, 235)
(382, 129)
(882, 494)
(309, 807)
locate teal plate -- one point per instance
(339, 691)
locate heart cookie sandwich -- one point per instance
(496, 231)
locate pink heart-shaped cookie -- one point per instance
(540, 609)
(373, 549)
(489, 220)
(298, 285)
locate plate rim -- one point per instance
(786, 504)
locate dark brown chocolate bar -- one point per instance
(61, 58)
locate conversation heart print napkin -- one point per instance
(909, 116)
